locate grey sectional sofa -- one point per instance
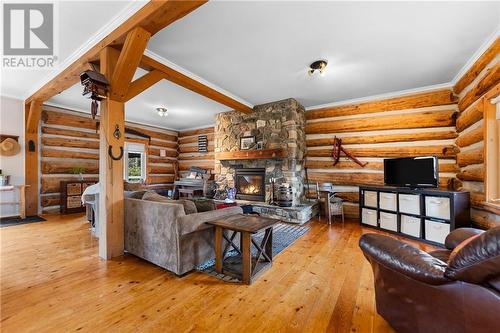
(161, 232)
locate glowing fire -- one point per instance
(250, 189)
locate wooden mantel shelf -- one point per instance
(250, 154)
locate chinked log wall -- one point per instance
(188, 150)
(69, 140)
(482, 77)
(412, 125)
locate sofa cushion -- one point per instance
(195, 222)
(189, 206)
(204, 205)
(478, 260)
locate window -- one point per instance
(492, 150)
(135, 163)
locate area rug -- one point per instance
(16, 220)
(284, 234)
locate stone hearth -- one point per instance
(278, 125)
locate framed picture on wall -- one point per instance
(247, 142)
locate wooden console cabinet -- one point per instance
(71, 195)
(424, 214)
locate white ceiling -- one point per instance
(259, 51)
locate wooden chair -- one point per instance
(334, 206)
(314, 195)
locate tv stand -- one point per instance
(423, 213)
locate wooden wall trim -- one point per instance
(425, 99)
(396, 121)
(440, 151)
(411, 137)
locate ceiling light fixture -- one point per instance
(318, 65)
(162, 112)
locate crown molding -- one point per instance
(9, 96)
(197, 127)
(475, 57)
(195, 77)
(383, 96)
(114, 23)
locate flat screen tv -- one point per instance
(411, 171)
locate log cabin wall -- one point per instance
(482, 77)
(411, 125)
(188, 150)
(69, 139)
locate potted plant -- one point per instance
(78, 170)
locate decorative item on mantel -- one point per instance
(247, 142)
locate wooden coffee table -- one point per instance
(243, 265)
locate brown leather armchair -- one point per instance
(456, 289)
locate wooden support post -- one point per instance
(112, 113)
(119, 68)
(491, 148)
(32, 114)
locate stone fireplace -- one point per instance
(278, 128)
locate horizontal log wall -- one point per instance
(188, 150)
(482, 77)
(413, 125)
(69, 139)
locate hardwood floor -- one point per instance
(53, 281)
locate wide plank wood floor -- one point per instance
(52, 280)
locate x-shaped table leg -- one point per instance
(230, 244)
(262, 248)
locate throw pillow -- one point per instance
(189, 206)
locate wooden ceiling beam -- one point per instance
(130, 57)
(152, 17)
(176, 77)
(143, 83)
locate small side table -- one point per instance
(243, 265)
(22, 198)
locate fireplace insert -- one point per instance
(250, 184)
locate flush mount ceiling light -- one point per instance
(318, 65)
(162, 112)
